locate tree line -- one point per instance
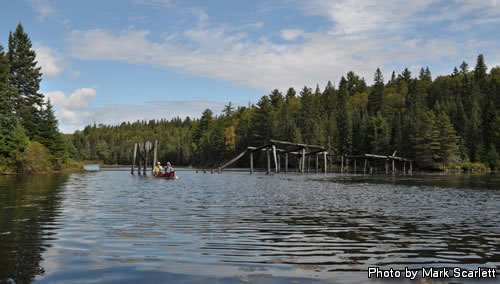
(451, 121)
(29, 135)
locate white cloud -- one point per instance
(363, 35)
(291, 34)
(51, 62)
(43, 7)
(80, 99)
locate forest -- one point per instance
(449, 122)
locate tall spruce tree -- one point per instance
(10, 130)
(25, 77)
(376, 96)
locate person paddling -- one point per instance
(168, 168)
(158, 170)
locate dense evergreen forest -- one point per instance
(29, 135)
(450, 122)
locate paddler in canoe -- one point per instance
(158, 170)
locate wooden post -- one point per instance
(155, 154)
(317, 163)
(386, 167)
(411, 168)
(347, 165)
(147, 147)
(354, 165)
(393, 167)
(342, 165)
(404, 168)
(268, 161)
(303, 160)
(286, 163)
(219, 170)
(279, 163)
(325, 170)
(133, 161)
(364, 168)
(275, 158)
(251, 162)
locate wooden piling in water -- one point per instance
(268, 161)
(275, 159)
(155, 154)
(364, 168)
(347, 164)
(342, 165)
(354, 165)
(393, 167)
(303, 160)
(251, 162)
(325, 169)
(133, 161)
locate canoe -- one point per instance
(167, 175)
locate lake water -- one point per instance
(110, 226)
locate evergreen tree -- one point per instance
(344, 125)
(25, 77)
(376, 96)
(10, 131)
(49, 136)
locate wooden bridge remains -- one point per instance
(301, 155)
(142, 152)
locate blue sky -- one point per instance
(117, 60)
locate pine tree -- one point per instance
(49, 136)
(9, 127)
(25, 77)
(344, 125)
(448, 148)
(376, 96)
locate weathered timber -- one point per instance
(275, 158)
(251, 162)
(303, 160)
(354, 165)
(155, 154)
(268, 161)
(296, 144)
(342, 165)
(325, 169)
(237, 158)
(133, 161)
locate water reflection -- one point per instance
(28, 209)
(111, 226)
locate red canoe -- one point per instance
(167, 175)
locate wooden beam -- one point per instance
(296, 144)
(155, 154)
(342, 165)
(236, 159)
(268, 161)
(325, 169)
(303, 159)
(133, 160)
(275, 159)
(251, 162)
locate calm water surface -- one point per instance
(110, 226)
